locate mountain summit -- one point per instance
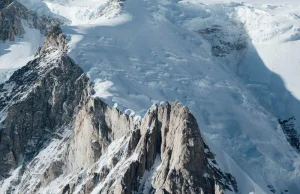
(55, 40)
(54, 130)
(75, 113)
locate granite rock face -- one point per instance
(37, 99)
(56, 138)
(169, 135)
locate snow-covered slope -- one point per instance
(266, 2)
(271, 65)
(77, 12)
(56, 138)
(234, 65)
(159, 55)
(16, 54)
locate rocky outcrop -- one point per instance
(170, 134)
(54, 41)
(37, 99)
(59, 139)
(13, 17)
(222, 42)
(163, 153)
(291, 134)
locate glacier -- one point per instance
(235, 65)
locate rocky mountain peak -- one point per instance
(55, 41)
(37, 100)
(52, 129)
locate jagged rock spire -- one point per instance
(37, 100)
(55, 40)
(52, 128)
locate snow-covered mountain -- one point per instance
(234, 65)
(57, 138)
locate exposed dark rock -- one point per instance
(272, 188)
(37, 99)
(291, 134)
(171, 135)
(221, 41)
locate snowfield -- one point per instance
(267, 2)
(235, 65)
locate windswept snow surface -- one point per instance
(77, 12)
(267, 2)
(159, 55)
(235, 65)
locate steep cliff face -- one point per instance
(56, 138)
(37, 99)
(163, 153)
(13, 17)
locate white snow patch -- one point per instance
(16, 54)
(102, 88)
(146, 180)
(129, 112)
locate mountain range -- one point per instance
(166, 96)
